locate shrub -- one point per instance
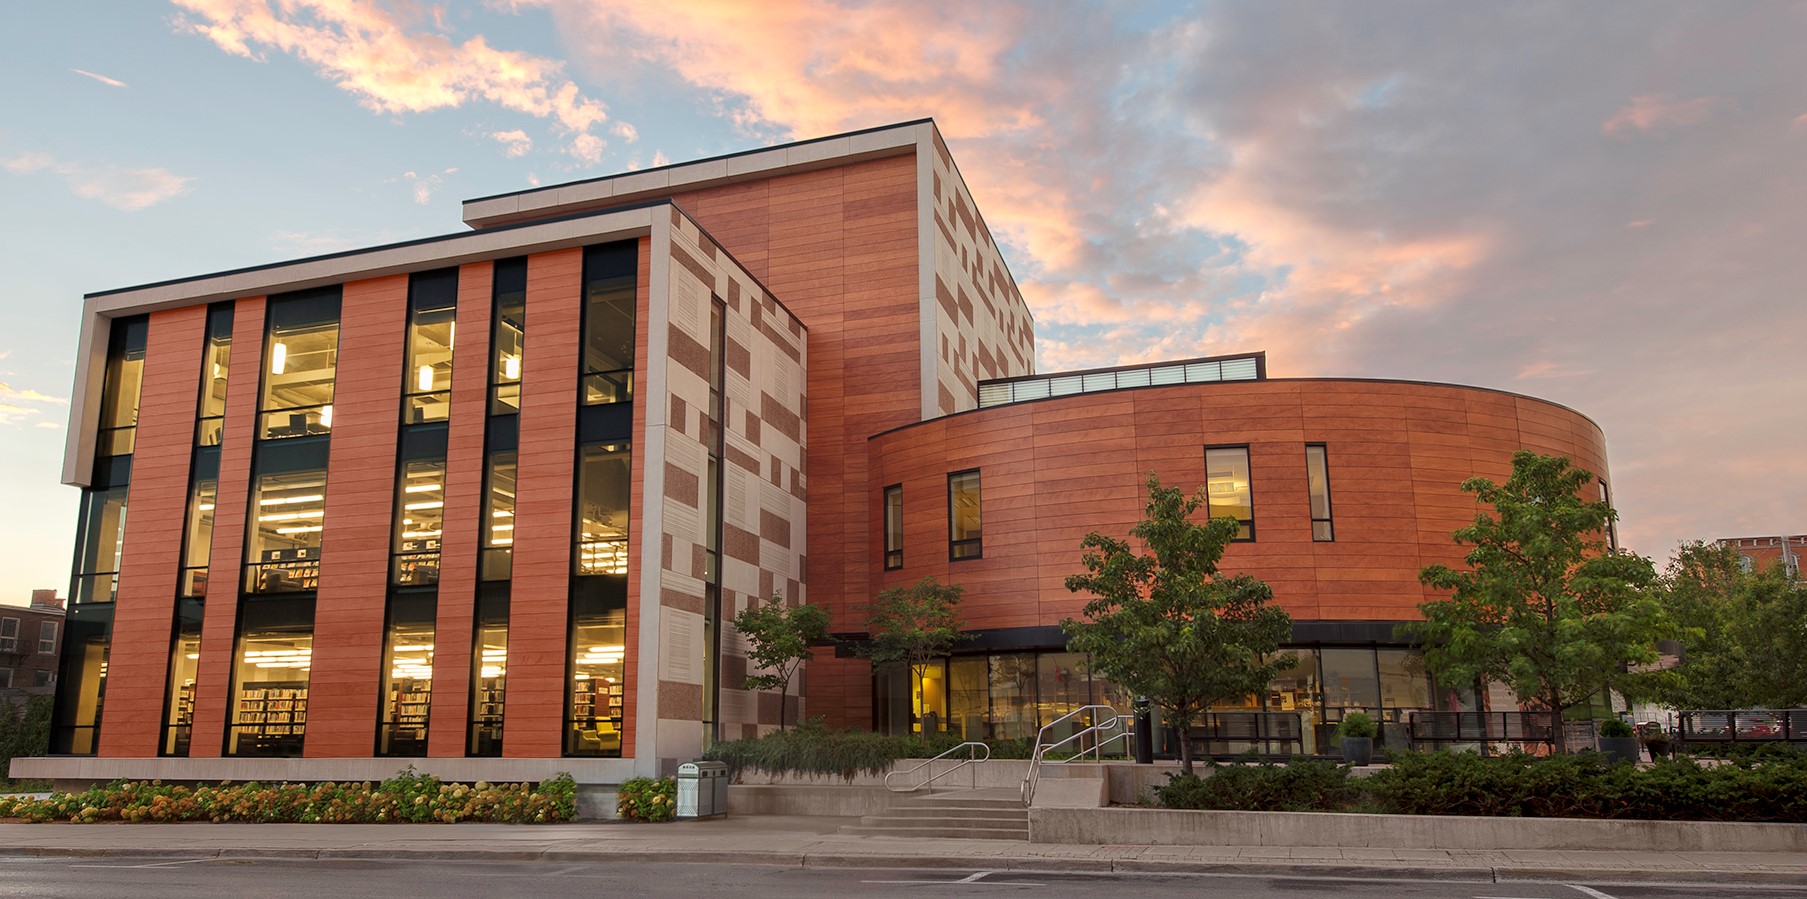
(406, 797)
(648, 799)
(1613, 729)
(1300, 785)
(1357, 724)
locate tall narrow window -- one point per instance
(497, 551)
(1612, 523)
(216, 365)
(432, 323)
(184, 666)
(47, 638)
(9, 635)
(598, 651)
(893, 527)
(98, 543)
(419, 520)
(608, 322)
(508, 336)
(489, 669)
(82, 679)
(288, 513)
(1227, 487)
(197, 537)
(963, 532)
(408, 685)
(301, 361)
(1317, 483)
(602, 503)
(125, 378)
(275, 655)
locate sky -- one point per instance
(1603, 204)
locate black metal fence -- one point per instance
(1729, 726)
(1524, 728)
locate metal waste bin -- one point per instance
(702, 789)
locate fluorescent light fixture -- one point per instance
(424, 377)
(326, 416)
(279, 357)
(511, 368)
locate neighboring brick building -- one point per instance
(1762, 552)
(800, 371)
(30, 640)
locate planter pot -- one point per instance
(1358, 750)
(1620, 749)
(1658, 749)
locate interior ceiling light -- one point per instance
(279, 357)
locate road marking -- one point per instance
(186, 861)
(1588, 891)
(974, 879)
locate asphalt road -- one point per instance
(163, 878)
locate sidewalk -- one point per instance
(813, 842)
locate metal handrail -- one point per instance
(1038, 754)
(973, 758)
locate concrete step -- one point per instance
(940, 831)
(958, 811)
(956, 800)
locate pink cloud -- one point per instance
(1655, 112)
(128, 189)
(392, 66)
(110, 82)
(515, 144)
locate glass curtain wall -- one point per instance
(197, 534)
(508, 336)
(274, 659)
(419, 523)
(124, 382)
(301, 353)
(216, 366)
(432, 324)
(603, 487)
(184, 665)
(99, 541)
(407, 676)
(608, 321)
(489, 665)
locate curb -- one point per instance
(801, 859)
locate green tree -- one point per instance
(1543, 606)
(1745, 634)
(1166, 624)
(779, 638)
(24, 730)
(913, 626)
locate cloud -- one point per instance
(423, 186)
(110, 82)
(22, 407)
(515, 144)
(393, 63)
(128, 189)
(1651, 112)
(1383, 190)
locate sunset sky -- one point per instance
(1603, 204)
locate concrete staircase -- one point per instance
(986, 814)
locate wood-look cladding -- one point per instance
(452, 631)
(219, 624)
(630, 681)
(360, 499)
(1054, 470)
(534, 710)
(839, 247)
(144, 612)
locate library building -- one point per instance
(487, 503)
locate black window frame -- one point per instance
(1328, 520)
(1249, 458)
(976, 544)
(894, 555)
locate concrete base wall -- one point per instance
(813, 801)
(80, 771)
(1187, 828)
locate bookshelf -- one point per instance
(271, 717)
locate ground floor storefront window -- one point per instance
(1012, 695)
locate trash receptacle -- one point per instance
(702, 789)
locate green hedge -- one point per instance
(406, 797)
(1769, 786)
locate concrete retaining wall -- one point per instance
(1187, 828)
(810, 800)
